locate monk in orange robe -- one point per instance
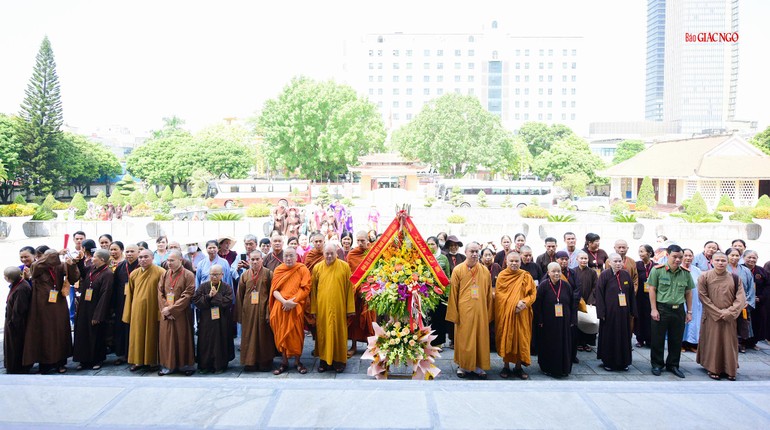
(514, 295)
(361, 326)
(288, 293)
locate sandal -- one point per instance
(80, 367)
(339, 369)
(119, 361)
(96, 367)
(282, 368)
(461, 374)
(482, 376)
(521, 374)
(62, 370)
(742, 349)
(134, 367)
(505, 373)
(301, 369)
(714, 376)
(323, 367)
(351, 353)
(731, 378)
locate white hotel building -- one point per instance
(519, 78)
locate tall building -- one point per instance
(519, 79)
(700, 63)
(656, 49)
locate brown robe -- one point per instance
(257, 343)
(292, 283)
(361, 326)
(272, 261)
(718, 343)
(175, 347)
(470, 309)
(48, 339)
(513, 330)
(90, 346)
(312, 258)
(215, 343)
(16, 311)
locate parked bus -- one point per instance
(519, 193)
(253, 191)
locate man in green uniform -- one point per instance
(670, 287)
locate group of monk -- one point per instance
(149, 307)
(715, 303)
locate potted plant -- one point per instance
(14, 216)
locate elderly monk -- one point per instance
(275, 257)
(553, 318)
(332, 304)
(253, 312)
(175, 291)
(215, 342)
(142, 314)
(313, 257)
(16, 311)
(723, 299)
(514, 295)
(629, 265)
(615, 308)
(470, 309)
(288, 294)
(93, 310)
(361, 326)
(48, 339)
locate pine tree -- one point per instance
(79, 203)
(179, 193)
(151, 196)
(645, 200)
(167, 195)
(39, 126)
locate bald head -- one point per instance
(621, 247)
(318, 241)
(145, 258)
(362, 239)
(12, 274)
(330, 253)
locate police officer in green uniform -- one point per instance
(670, 287)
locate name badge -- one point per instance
(125, 289)
(170, 298)
(215, 313)
(646, 287)
(559, 310)
(89, 294)
(254, 298)
(622, 299)
(474, 292)
(52, 296)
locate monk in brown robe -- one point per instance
(215, 343)
(93, 310)
(288, 294)
(141, 312)
(470, 309)
(361, 326)
(48, 339)
(16, 311)
(515, 293)
(253, 312)
(274, 258)
(723, 299)
(175, 291)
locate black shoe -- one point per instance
(575, 360)
(656, 371)
(188, 372)
(676, 371)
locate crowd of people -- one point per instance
(179, 307)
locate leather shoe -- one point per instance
(656, 371)
(676, 371)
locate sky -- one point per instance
(133, 63)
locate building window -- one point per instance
(518, 78)
(564, 91)
(371, 66)
(440, 66)
(540, 78)
(550, 52)
(540, 116)
(371, 91)
(550, 105)
(471, 52)
(426, 78)
(395, 91)
(574, 52)
(526, 116)
(471, 39)
(540, 104)
(518, 52)
(572, 104)
(574, 65)
(409, 91)
(526, 52)
(440, 78)
(564, 116)
(564, 103)
(408, 66)
(517, 116)
(458, 53)
(379, 78)
(371, 53)
(518, 66)
(426, 91)
(379, 91)
(379, 66)
(526, 66)
(379, 39)
(550, 117)
(518, 91)
(408, 103)
(426, 66)
(516, 103)
(494, 55)
(526, 103)
(457, 91)
(458, 66)
(550, 91)
(572, 116)
(379, 52)
(564, 52)
(396, 66)
(395, 78)
(471, 66)
(371, 78)
(550, 78)
(409, 78)
(379, 104)
(564, 78)
(542, 52)
(395, 52)
(395, 116)
(550, 66)
(440, 53)
(563, 65)
(458, 78)
(408, 52)
(470, 78)
(408, 116)
(541, 66)
(573, 91)
(526, 91)
(426, 53)
(439, 91)
(540, 91)
(395, 104)
(471, 92)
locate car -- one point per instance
(592, 203)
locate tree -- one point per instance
(696, 206)
(39, 126)
(100, 199)
(627, 149)
(323, 199)
(199, 182)
(79, 203)
(220, 149)
(151, 197)
(481, 199)
(171, 125)
(126, 185)
(570, 155)
(762, 140)
(179, 193)
(117, 199)
(136, 197)
(86, 162)
(166, 195)
(158, 161)
(539, 137)
(457, 135)
(3, 172)
(319, 128)
(10, 150)
(645, 200)
(574, 184)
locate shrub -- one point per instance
(16, 210)
(507, 203)
(136, 197)
(224, 216)
(162, 217)
(763, 202)
(323, 198)
(742, 215)
(699, 218)
(43, 213)
(646, 196)
(100, 199)
(258, 211)
(457, 198)
(185, 202)
(725, 201)
(481, 199)
(619, 207)
(211, 204)
(49, 201)
(151, 196)
(533, 212)
(624, 218)
(726, 208)
(348, 202)
(79, 202)
(19, 200)
(179, 193)
(455, 219)
(761, 212)
(697, 206)
(648, 214)
(167, 195)
(429, 201)
(117, 198)
(561, 218)
(566, 204)
(141, 210)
